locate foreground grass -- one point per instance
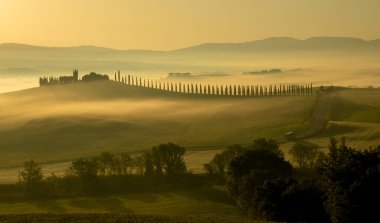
(203, 201)
(107, 218)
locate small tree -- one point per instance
(106, 163)
(149, 167)
(139, 163)
(32, 176)
(266, 144)
(86, 170)
(219, 163)
(304, 154)
(170, 157)
(252, 168)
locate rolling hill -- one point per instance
(59, 123)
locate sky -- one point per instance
(173, 24)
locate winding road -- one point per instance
(320, 116)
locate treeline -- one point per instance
(225, 90)
(341, 186)
(162, 166)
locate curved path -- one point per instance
(320, 116)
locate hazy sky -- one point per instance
(170, 24)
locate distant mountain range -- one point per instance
(269, 44)
(26, 59)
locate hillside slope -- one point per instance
(60, 123)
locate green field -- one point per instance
(191, 203)
(61, 123)
(355, 114)
(55, 125)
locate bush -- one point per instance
(350, 180)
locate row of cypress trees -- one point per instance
(207, 89)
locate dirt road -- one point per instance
(320, 116)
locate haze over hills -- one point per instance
(236, 57)
(312, 58)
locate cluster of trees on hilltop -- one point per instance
(341, 186)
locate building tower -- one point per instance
(75, 75)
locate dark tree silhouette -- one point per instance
(220, 162)
(32, 176)
(266, 144)
(304, 154)
(252, 169)
(170, 157)
(351, 180)
(149, 164)
(86, 170)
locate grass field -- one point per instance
(355, 114)
(55, 125)
(203, 201)
(61, 123)
(110, 218)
